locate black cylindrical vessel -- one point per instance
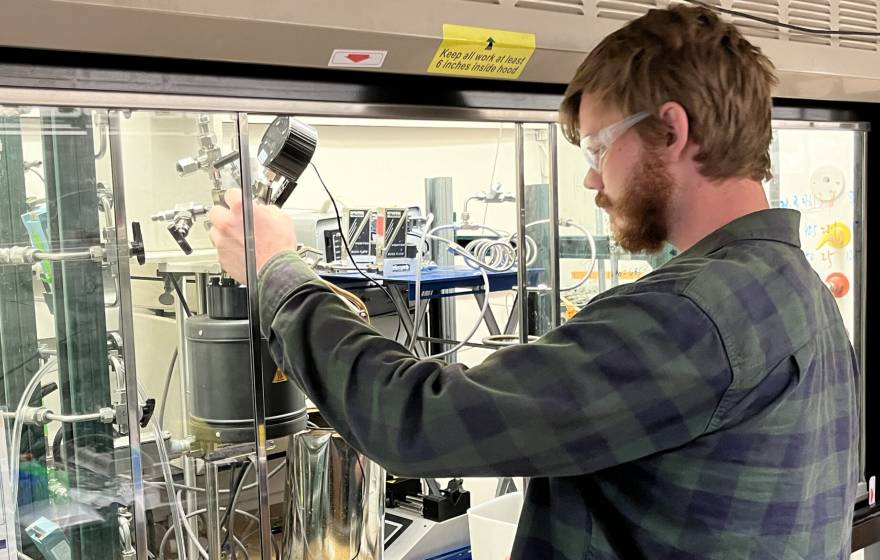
(218, 350)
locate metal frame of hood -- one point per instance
(172, 102)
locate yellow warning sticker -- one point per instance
(280, 376)
(483, 53)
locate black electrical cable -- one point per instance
(348, 249)
(234, 491)
(234, 485)
(180, 295)
(235, 478)
(793, 27)
(56, 447)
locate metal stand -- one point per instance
(126, 312)
(522, 273)
(506, 485)
(212, 492)
(189, 470)
(488, 317)
(402, 307)
(214, 462)
(438, 201)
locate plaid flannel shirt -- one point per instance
(708, 410)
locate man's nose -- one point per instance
(593, 180)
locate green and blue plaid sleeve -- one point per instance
(632, 374)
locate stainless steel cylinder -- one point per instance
(336, 500)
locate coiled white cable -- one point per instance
(591, 244)
(498, 255)
(492, 253)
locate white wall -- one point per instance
(152, 143)
(381, 166)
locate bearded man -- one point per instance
(708, 410)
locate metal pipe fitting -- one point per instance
(192, 208)
(17, 255)
(42, 415)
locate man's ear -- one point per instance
(675, 118)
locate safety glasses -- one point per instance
(595, 146)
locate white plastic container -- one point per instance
(492, 526)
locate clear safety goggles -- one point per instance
(595, 146)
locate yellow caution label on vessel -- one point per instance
(280, 376)
(482, 53)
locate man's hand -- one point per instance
(273, 233)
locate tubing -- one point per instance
(18, 426)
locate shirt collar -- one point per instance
(774, 224)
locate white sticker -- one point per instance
(357, 59)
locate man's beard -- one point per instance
(639, 218)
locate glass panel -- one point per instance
(536, 155)
(62, 373)
(582, 278)
(817, 172)
(464, 174)
(461, 172)
(193, 335)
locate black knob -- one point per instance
(45, 391)
(148, 409)
(137, 244)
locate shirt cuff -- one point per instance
(279, 277)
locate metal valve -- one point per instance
(181, 220)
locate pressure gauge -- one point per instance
(287, 147)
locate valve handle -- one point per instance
(147, 410)
(137, 244)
